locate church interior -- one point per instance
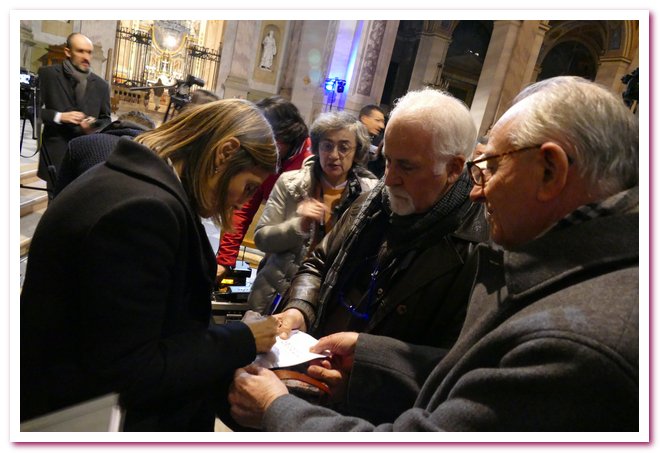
(324, 65)
(155, 66)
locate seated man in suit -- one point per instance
(551, 337)
(86, 151)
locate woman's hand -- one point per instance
(263, 328)
(310, 210)
(289, 320)
(220, 273)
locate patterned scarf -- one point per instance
(619, 203)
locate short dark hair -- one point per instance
(285, 119)
(367, 109)
(337, 121)
(71, 36)
(137, 117)
(202, 96)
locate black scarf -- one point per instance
(452, 206)
(444, 217)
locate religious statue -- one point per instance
(269, 51)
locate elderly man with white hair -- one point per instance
(550, 341)
(388, 265)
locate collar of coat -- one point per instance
(565, 256)
(141, 162)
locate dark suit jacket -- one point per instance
(117, 298)
(57, 95)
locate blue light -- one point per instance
(330, 84)
(335, 84)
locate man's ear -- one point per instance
(67, 52)
(225, 151)
(555, 171)
(454, 168)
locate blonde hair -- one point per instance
(195, 136)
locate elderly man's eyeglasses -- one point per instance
(344, 148)
(479, 170)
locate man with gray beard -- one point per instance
(551, 338)
(389, 264)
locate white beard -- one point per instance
(400, 201)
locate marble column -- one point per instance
(27, 43)
(430, 59)
(532, 69)
(610, 71)
(373, 59)
(291, 59)
(524, 59)
(237, 53)
(310, 66)
(319, 98)
(494, 72)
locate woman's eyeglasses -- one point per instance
(343, 148)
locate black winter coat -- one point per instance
(117, 299)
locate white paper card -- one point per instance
(289, 352)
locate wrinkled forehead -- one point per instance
(407, 129)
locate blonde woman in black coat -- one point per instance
(117, 290)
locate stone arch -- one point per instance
(613, 44)
(590, 37)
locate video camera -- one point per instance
(631, 94)
(180, 92)
(29, 86)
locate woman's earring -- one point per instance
(216, 170)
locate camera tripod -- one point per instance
(179, 93)
(29, 112)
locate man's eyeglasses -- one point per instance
(343, 148)
(479, 170)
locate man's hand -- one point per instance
(252, 392)
(333, 374)
(336, 370)
(87, 125)
(338, 344)
(72, 117)
(290, 320)
(263, 328)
